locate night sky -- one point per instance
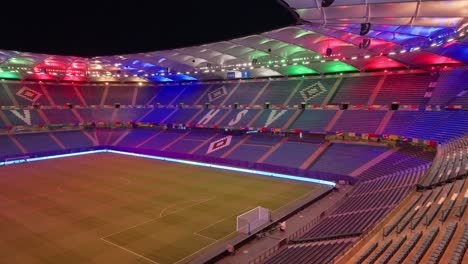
(91, 28)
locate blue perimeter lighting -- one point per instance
(52, 157)
(263, 173)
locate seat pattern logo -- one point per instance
(312, 91)
(29, 94)
(219, 144)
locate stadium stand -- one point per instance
(313, 92)
(37, 142)
(297, 153)
(316, 252)
(314, 120)
(246, 92)
(360, 121)
(27, 94)
(63, 94)
(355, 90)
(92, 94)
(4, 98)
(8, 147)
(449, 85)
(414, 87)
(145, 94)
(381, 186)
(74, 139)
(192, 93)
(277, 92)
(274, 118)
(352, 157)
(119, 95)
(239, 118)
(60, 116)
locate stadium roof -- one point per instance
(403, 34)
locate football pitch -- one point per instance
(110, 208)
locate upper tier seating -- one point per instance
(63, 94)
(245, 93)
(4, 98)
(145, 94)
(355, 90)
(27, 93)
(449, 85)
(92, 94)
(119, 95)
(313, 91)
(217, 93)
(277, 92)
(192, 93)
(407, 89)
(167, 94)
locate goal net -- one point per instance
(250, 220)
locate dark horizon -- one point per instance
(99, 29)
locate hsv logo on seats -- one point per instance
(312, 91)
(219, 144)
(28, 94)
(217, 93)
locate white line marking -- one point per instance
(219, 221)
(161, 214)
(125, 179)
(214, 242)
(200, 235)
(154, 219)
(129, 251)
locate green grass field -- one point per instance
(108, 208)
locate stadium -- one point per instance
(340, 139)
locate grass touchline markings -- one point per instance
(201, 249)
(161, 214)
(195, 233)
(154, 219)
(129, 251)
(210, 225)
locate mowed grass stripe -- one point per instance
(58, 209)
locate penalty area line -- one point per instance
(129, 251)
(203, 248)
(154, 219)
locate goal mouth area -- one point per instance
(251, 220)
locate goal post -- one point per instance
(252, 219)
